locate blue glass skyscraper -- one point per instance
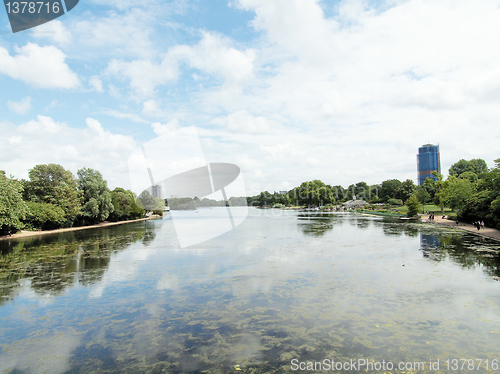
(428, 160)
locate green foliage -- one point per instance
(97, 202)
(413, 206)
(394, 202)
(422, 194)
(390, 189)
(495, 212)
(478, 207)
(147, 200)
(476, 166)
(124, 204)
(52, 184)
(182, 203)
(12, 207)
(456, 192)
(407, 189)
(44, 216)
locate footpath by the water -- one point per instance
(487, 232)
(23, 234)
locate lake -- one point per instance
(282, 291)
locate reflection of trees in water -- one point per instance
(316, 224)
(360, 221)
(467, 250)
(54, 262)
(395, 227)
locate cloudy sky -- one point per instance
(289, 90)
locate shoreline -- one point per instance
(25, 234)
(487, 232)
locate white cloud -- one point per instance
(151, 108)
(119, 34)
(212, 55)
(40, 66)
(21, 107)
(144, 75)
(53, 30)
(96, 83)
(130, 116)
(57, 142)
(160, 129)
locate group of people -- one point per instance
(478, 224)
(431, 217)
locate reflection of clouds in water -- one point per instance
(168, 282)
(41, 355)
(123, 266)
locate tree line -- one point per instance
(471, 190)
(52, 197)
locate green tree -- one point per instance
(44, 216)
(407, 189)
(438, 190)
(390, 189)
(147, 200)
(422, 194)
(413, 206)
(477, 166)
(97, 203)
(52, 184)
(456, 192)
(12, 207)
(124, 205)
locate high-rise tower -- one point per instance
(428, 160)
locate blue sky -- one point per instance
(289, 90)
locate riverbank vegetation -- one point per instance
(53, 197)
(471, 192)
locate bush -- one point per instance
(413, 206)
(395, 202)
(44, 216)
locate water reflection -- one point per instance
(315, 224)
(52, 263)
(467, 250)
(258, 296)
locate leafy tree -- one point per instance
(390, 189)
(495, 211)
(52, 184)
(456, 192)
(430, 186)
(478, 206)
(422, 194)
(407, 189)
(438, 190)
(12, 206)
(413, 206)
(44, 216)
(476, 166)
(124, 205)
(97, 203)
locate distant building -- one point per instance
(428, 160)
(156, 191)
(283, 192)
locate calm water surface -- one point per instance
(281, 286)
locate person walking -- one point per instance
(482, 224)
(478, 225)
